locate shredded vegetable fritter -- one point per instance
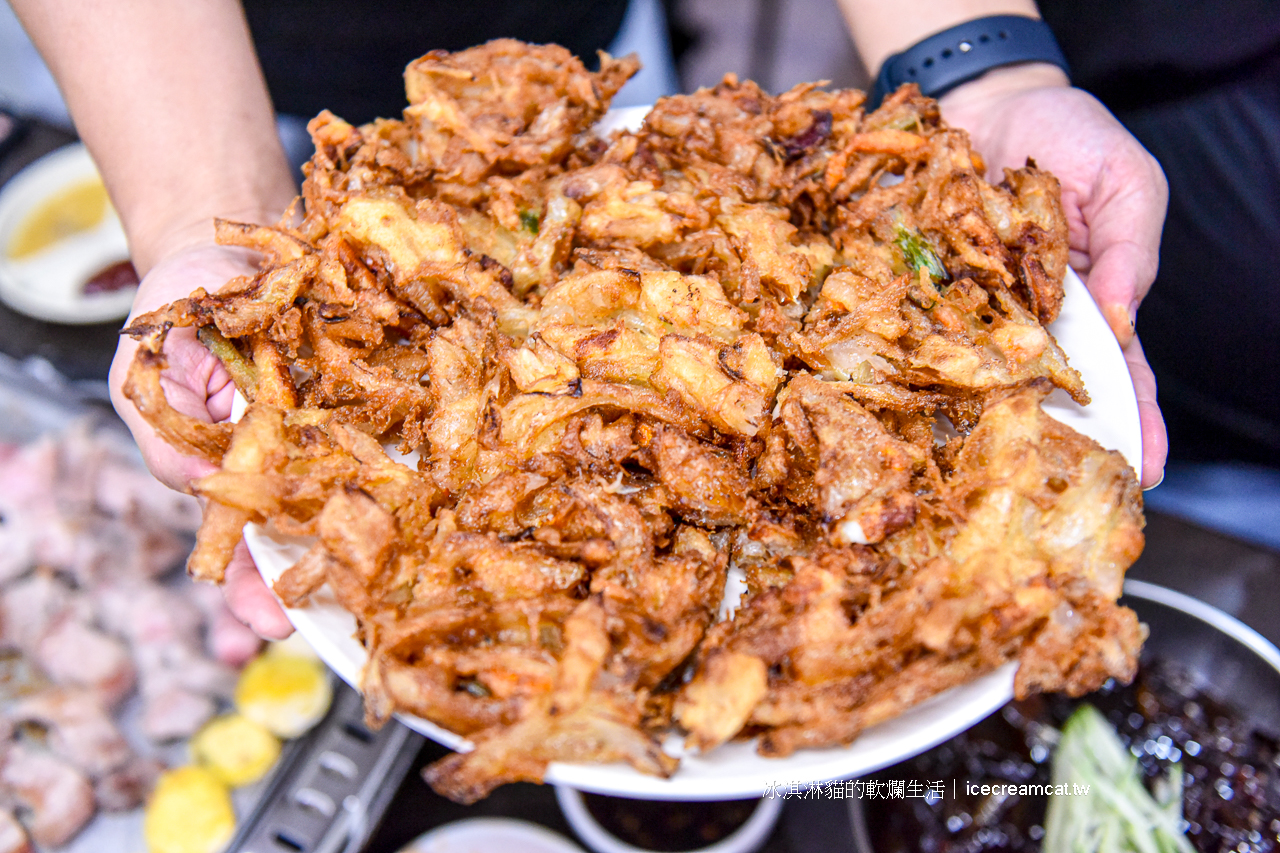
(534, 392)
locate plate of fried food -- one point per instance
(741, 444)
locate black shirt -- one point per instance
(1130, 52)
(349, 57)
(1198, 83)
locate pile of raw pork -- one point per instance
(106, 654)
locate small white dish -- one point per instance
(745, 839)
(491, 835)
(49, 284)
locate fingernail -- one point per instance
(1120, 321)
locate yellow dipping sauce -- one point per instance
(76, 208)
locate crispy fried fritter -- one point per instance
(616, 365)
(1046, 520)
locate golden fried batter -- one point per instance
(615, 366)
(1046, 523)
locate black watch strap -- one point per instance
(944, 60)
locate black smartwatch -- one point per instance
(944, 60)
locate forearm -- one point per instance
(169, 98)
(882, 29)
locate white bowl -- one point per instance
(491, 835)
(745, 839)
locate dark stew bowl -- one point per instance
(1207, 696)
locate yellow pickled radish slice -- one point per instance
(286, 690)
(189, 812)
(237, 749)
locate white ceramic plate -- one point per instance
(491, 835)
(49, 284)
(735, 770)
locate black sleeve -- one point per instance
(349, 57)
(1130, 52)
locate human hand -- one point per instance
(195, 384)
(1114, 194)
